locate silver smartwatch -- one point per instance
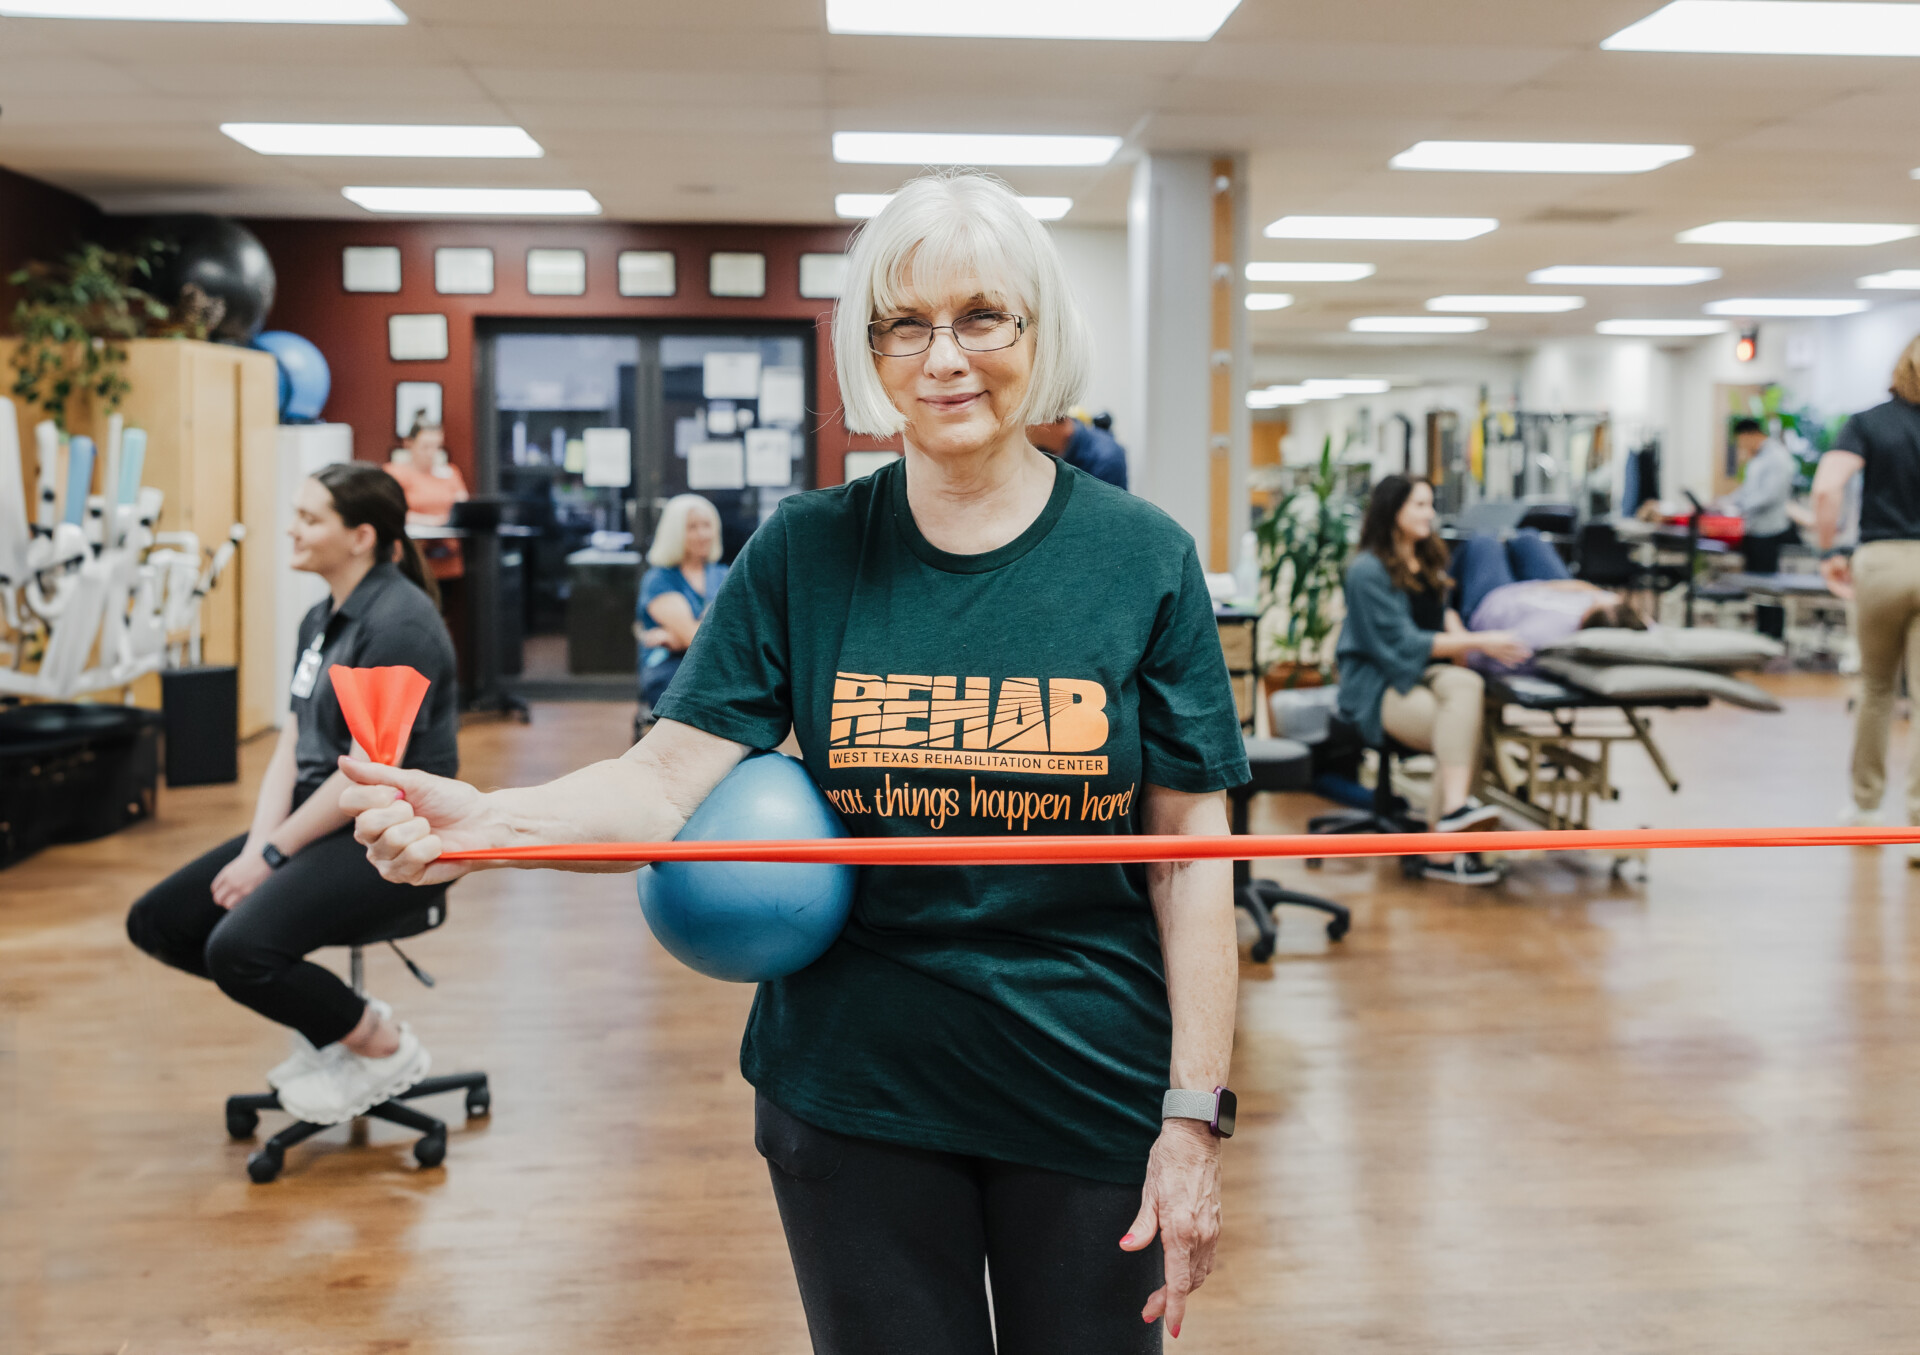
(1216, 1108)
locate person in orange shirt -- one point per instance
(433, 485)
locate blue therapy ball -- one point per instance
(749, 921)
(305, 380)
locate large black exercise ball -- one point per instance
(224, 263)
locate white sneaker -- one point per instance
(354, 1084)
(1466, 868)
(306, 1059)
(1853, 816)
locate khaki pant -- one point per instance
(1886, 588)
(1441, 714)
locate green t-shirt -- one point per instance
(1010, 1012)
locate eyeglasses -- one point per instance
(977, 332)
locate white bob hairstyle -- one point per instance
(947, 233)
(669, 546)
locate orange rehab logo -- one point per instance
(1019, 724)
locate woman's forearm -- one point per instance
(1193, 905)
(276, 788)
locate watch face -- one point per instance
(1225, 1108)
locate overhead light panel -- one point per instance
(1783, 307)
(1269, 301)
(1661, 329)
(1276, 397)
(1626, 275)
(1508, 305)
(1332, 387)
(970, 148)
(1796, 233)
(370, 139)
(1538, 157)
(1072, 20)
(1380, 227)
(211, 11)
(1417, 324)
(476, 201)
(1775, 28)
(860, 206)
(1899, 280)
(1308, 272)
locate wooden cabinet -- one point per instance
(210, 412)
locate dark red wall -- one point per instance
(39, 221)
(350, 328)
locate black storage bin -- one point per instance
(202, 710)
(72, 773)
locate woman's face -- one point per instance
(425, 446)
(322, 543)
(703, 533)
(1414, 522)
(957, 401)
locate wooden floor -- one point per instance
(1568, 1115)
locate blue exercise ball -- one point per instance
(305, 378)
(750, 921)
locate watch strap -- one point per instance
(1179, 1104)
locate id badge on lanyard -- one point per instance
(308, 672)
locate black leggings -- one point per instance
(326, 895)
(890, 1246)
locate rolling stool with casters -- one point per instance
(243, 1112)
(1277, 764)
(1388, 813)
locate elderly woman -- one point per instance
(1011, 1071)
(682, 579)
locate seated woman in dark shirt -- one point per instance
(1400, 653)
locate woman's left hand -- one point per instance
(1181, 1203)
(239, 878)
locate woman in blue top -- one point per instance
(1400, 653)
(674, 593)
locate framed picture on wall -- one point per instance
(647, 272)
(737, 274)
(415, 400)
(557, 272)
(417, 338)
(370, 268)
(462, 271)
(822, 276)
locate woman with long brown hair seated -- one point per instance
(1401, 652)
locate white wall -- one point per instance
(1857, 357)
(1095, 258)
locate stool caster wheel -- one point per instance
(1262, 951)
(264, 1165)
(1337, 928)
(241, 1123)
(479, 1102)
(431, 1151)
(1315, 862)
(1412, 867)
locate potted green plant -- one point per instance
(74, 319)
(1304, 543)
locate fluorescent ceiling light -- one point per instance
(970, 148)
(1380, 227)
(211, 11)
(1308, 272)
(1783, 306)
(1274, 397)
(1508, 305)
(1607, 275)
(1538, 157)
(1269, 301)
(1795, 233)
(476, 201)
(1137, 20)
(1331, 387)
(334, 138)
(859, 206)
(1775, 28)
(1899, 280)
(1417, 324)
(1661, 329)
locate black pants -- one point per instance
(326, 895)
(889, 1245)
(1761, 554)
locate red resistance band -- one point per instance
(1136, 848)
